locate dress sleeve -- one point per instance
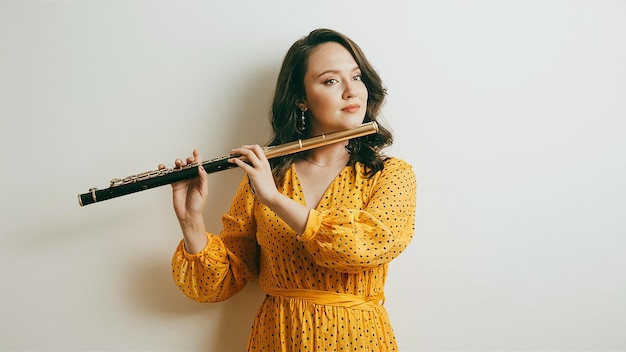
(228, 261)
(351, 240)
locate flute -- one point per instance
(155, 178)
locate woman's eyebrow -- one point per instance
(356, 68)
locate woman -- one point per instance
(317, 228)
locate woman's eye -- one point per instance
(357, 78)
(331, 81)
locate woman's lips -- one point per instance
(352, 108)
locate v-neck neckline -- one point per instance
(324, 194)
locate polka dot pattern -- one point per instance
(358, 227)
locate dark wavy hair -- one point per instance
(286, 116)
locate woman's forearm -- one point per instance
(194, 234)
(291, 212)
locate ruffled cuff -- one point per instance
(210, 241)
(313, 224)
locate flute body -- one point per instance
(155, 178)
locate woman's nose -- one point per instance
(350, 90)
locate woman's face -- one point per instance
(336, 98)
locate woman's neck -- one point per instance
(328, 155)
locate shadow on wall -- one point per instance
(233, 317)
(236, 317)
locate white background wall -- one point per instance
(512, 113)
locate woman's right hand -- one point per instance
(189, 196)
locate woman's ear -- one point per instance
(302, 106)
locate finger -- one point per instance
(259, 152)
(247, 153)
(196, 156)
(240, 163)
(256, 156)
(203, 176)
(249, 147)
(198, 159)
(238, 153)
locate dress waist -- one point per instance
(330, 298)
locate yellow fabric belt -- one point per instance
(330, 298)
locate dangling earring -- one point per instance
(303, 123)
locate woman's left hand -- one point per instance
(259, 172)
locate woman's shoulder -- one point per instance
(393, 163)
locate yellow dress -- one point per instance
(325, 287)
